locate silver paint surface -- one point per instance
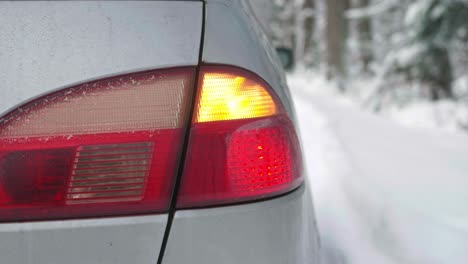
(47, 45)
(277, 231)
(105, 241)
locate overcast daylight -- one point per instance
(234, 131)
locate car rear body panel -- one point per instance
(48, 45)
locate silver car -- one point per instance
(147, 132)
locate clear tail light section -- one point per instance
(242, 144)
(102, 148)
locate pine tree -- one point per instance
(432, 25)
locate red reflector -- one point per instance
(242, 146)
(102, 148)
(35, 176)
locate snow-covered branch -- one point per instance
(372, 10)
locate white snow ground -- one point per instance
(383, 193)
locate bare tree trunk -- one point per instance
(336, 33)
(299, 35)
(309, 26)
(440, 75)
(290, 25)
(364, 29)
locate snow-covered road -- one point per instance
(383, 193)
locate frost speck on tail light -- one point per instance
(107, 147)
(242, 144)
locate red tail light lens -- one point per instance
(110, 147)
(242, 144)
(102, 148)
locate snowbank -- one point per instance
(446, 115)
(383, 193)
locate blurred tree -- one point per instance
(336, 32)
(425, 55)
(309, 28)
(292, 25)
(364, 32)
(282, 23)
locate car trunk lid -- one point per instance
(92, 60)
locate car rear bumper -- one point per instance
(280, 230)
(120, 240)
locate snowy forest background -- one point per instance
(383, 192)
(404, 59)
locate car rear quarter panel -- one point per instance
(278, 231)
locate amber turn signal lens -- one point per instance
(226, 96)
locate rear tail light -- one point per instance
(110, 147)
(242, 144)
(107, 147)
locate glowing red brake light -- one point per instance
(242, 144)
(102, 148)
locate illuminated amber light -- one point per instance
(228, 97)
